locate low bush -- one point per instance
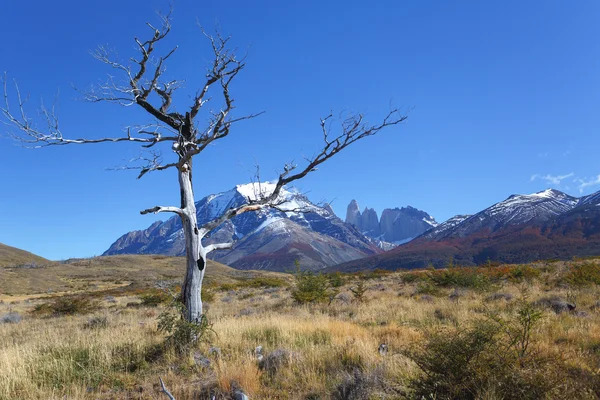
(155, 297)
(182, 335)
(583, 274)
(493, 358)
(459, 277)
(521, 273)
(258, 282)
(359, 290)
(313, 288)
(97, 322)
(67, 306)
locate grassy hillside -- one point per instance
(500, 332)
(10, 256)
(103, 273)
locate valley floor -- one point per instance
(502, 332)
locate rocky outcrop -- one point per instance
(397, 225)
(370, 223)
(401, 224)
(353, 216)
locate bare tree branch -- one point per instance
(150, 164)
(218, 246)
(165, 390)
(353, 128)
(53, 135)
(159, 209)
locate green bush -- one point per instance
(182, 335)
(155, 297)
(520, 273)
(259, 282)
(131, 357)
(492, 358)
(67, 306)
(359, 290)
(336, 280)
(583, 274)
(312, 288)
(411, 277)
(450, 360)
(464, 277)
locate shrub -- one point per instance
(359, 290)
(131, 357)
(96, 323)
(67, 306)
(182, 335)
(520, 273)
(493, 358)
(449, 360)
(518, 327)
(312, 288)
(336, 280)
(361, 385)
(583, 274)
(427, 288)
(155, 297)
(411, 277)
(459, 277)
(258, 282)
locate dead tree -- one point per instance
(143, 85)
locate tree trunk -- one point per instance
(195, 254)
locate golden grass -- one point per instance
(56, 358)
(102, 273)
(13, 256)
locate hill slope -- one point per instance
(10, 256)
(106, 272)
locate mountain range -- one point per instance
(397, 225)
(520, 229)
(269, 239)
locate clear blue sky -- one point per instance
(505, 98)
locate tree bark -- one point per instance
(195, 254)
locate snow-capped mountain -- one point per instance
(396, 226)
(445, 227)
(266, 239)
(522, 228)
(515, 210)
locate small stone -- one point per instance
(201, 360)
(383, 349)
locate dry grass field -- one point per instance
(499, 332)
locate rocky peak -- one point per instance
(370, 223)
(353, 215)
(396, 225)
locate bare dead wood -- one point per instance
(165, 390)
(141, 82)
(353, 128)
(159, 209)
(217, 246)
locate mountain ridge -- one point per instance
(521, 228)
(396, 225)
(296, 230)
